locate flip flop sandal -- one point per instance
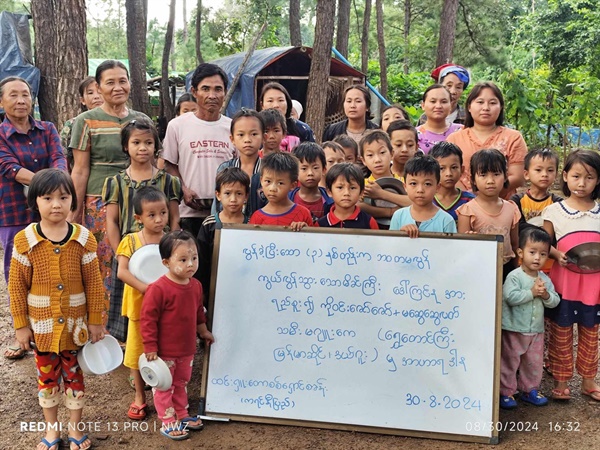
(561, 394)
(166, 432)
(136, 412)
(18, 353)
(56, 442)
(79, 442)
(594, 394)
(189, 426)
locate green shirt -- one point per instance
(521, 311)
(120, 189)
(99, 133)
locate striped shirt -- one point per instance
(120, 189)
(99, 133)
(462, 198)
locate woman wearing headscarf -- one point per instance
(456, 79)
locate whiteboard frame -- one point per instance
(358, 428)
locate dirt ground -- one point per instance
(110, 395)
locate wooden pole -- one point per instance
(240, 71)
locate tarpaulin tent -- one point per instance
(15, 54)
(289, 66)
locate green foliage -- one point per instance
(542, 106)
(404, 89)
(106, 34)
(155, 41)
(567, 33)
(543, 53)
(407, 89)
(185, 49)
(530, 101)
(15, 6)
(235, 26)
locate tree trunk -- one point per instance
(172, 57)
(343, 27)
(407, 17)
(199, 57)
(447, 32)
(295, 34)
(381, 45)
(185, 24)
(137, 16)
(364, 40)
(318, 77)
(61, 55)
(167, 110)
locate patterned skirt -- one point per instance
(95, 221)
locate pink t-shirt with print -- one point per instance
(502, 223)
(198, 148)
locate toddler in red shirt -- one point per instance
(172, 315)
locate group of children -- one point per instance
(323, 186)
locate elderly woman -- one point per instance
(484, 128)
(98, 154)
(26, 146)
(357, 102)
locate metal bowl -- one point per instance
(584, 258)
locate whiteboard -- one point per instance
(359, 328)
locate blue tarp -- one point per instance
(589, 138)
(288, 65)
(15, 53)
(243, 95)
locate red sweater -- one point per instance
(170, 314)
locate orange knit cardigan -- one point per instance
(56, 289)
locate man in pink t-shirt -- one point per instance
(196, 143)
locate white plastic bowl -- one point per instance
(146, 264)
(155, 373)
(102, 357)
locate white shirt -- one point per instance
(198, 147)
